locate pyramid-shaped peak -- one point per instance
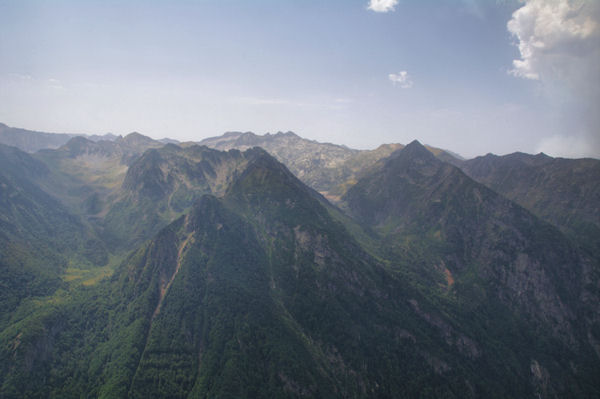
(264, 176)
(416, 150)
(415, 145)
(261, 159)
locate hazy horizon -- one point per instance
(469, 76)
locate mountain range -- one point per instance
(275, 266)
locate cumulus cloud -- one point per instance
(559, 46)
(382, 5)
(548, 31)
(401, 79)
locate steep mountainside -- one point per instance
(564, 192)
(491, 250)
(263, 293)
(39, 237)
(228, 276)
(163, 183)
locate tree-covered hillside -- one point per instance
(135, 269)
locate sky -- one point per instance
(471, 76)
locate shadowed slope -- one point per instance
(564, 192)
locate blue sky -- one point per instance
(353, 72)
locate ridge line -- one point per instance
(163, 292)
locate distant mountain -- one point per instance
(564, 192)
(169, 141)
(33, 141)
(85, 173)
(312, 162)
(328, 168)
(102, 137)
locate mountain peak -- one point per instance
(414, 153)
(78, 140)
(415, 148)
(78, 145)
(264, 164)
(136, 138)
(268, 185)
(286, 134)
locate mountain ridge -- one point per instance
(426, 196)
(230, 276)
(32, 141)
(559, 190)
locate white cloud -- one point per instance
(552, 35)
(402, 79)
(382, 5)
(559, 44)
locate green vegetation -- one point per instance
(563, 192)
(220, 274)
